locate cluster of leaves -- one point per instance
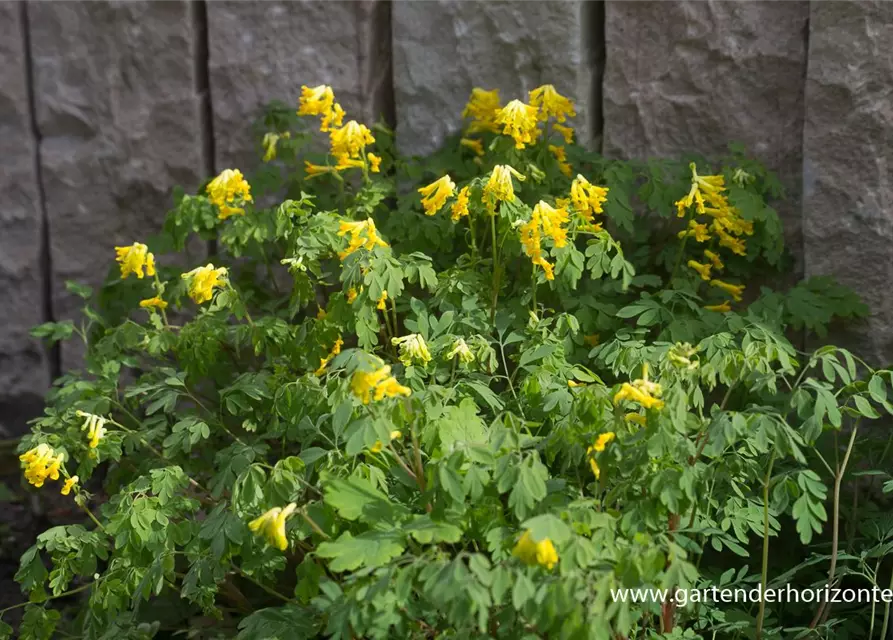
(408, 508)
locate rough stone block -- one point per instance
(688, 76)
(848, 161)
(118, 110)
(24, 371)
(443, 49)
(264, 51)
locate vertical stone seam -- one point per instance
(803, 167)
(202, 79)
(54, 352)
(593, 39)
(385, 35)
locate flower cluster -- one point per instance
(460, 350)
(597, 447)
(203, 280)
(228, 192)
(94, 426)
(531, 552)
(587, 199)
(412, 349)
(435, 195)
(323, 362)
(547, 220)
(134, 259)
(362, 234)
(642, 391)
(41, 462)
(376, 385)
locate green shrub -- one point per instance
(460, 396)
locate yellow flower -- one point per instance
(351, 295)
(320, 101)
(601, 442)
(271, 525)
(460, 207)
(637, 418)
(350, 140)
(378, 446)
(721, 308)
(362, 234)
(714, 259)
(345, 162)
(696, 230)
(461, 350)
(66, 488)
(587, 198)
(374, 162)
(643, 391)
(133, 259)
(734, 290)
(94, 426)
(561, 158)
(566, 132)
(735, 245)
(475, 145)
(203, 280)
(270, 141)
(323, 362)
(482, 108)
(376, 385)
(531, 552)
(41, 462)
(592, 339)
(596, 470)
(499, 186)
(153, 303)
(519, 121)
(552, 220)
(551, 103)
(703, 269)
(381, 301)
(313, 170)
(531, 240)
(228, 191)
(412, 349)
(435, 195)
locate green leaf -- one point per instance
(220, 528)
(370, 549)
(547, 526)
(427, 531)
(356, 499)
(291, 622)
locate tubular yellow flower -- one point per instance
(134, 259)
(362, 234)
(412, 349)
(313, 170)
(381, 301)
(345, 163)
(531, 552)
(475, 145)
(643, 391)
(561, 158)
(482, 108)
(228, 191)
(68, 485)
(531, 240)
(460, 207)
(350, 140)
(94, 426)
(153, 303)
(374, 162)
(735, 245)
(734, 290)
(203, 280)
(566, 132)
(323, 362)
(601, 442)
(725, 307)
(714, 260)
(41, 462)
(519, 121)
(587, 198)
(320, 101)
(551, 103)
(461, 350)
(552, 220)
(695, 230)
(702, 269)
(376, 385)
(499, 186)
(636, 418)
(596, 470)
(378, 446)
(435, 195)
(271, 525)
(269, 143)
(351, 295)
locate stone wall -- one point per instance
(106, 106)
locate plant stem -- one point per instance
(886, 612)
(495, 269)
(70, 592)
(765, 572)
(313, 524)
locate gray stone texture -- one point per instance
(119, 115)
(24, 371)
(264, 51)
(445, 48)
(848, 160)
(689, 76)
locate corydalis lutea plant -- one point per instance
(470, 408)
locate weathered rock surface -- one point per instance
(848, 161)
(264, 51)
(688, 76)
(443, 49)
(119, 115)
(24, 371)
